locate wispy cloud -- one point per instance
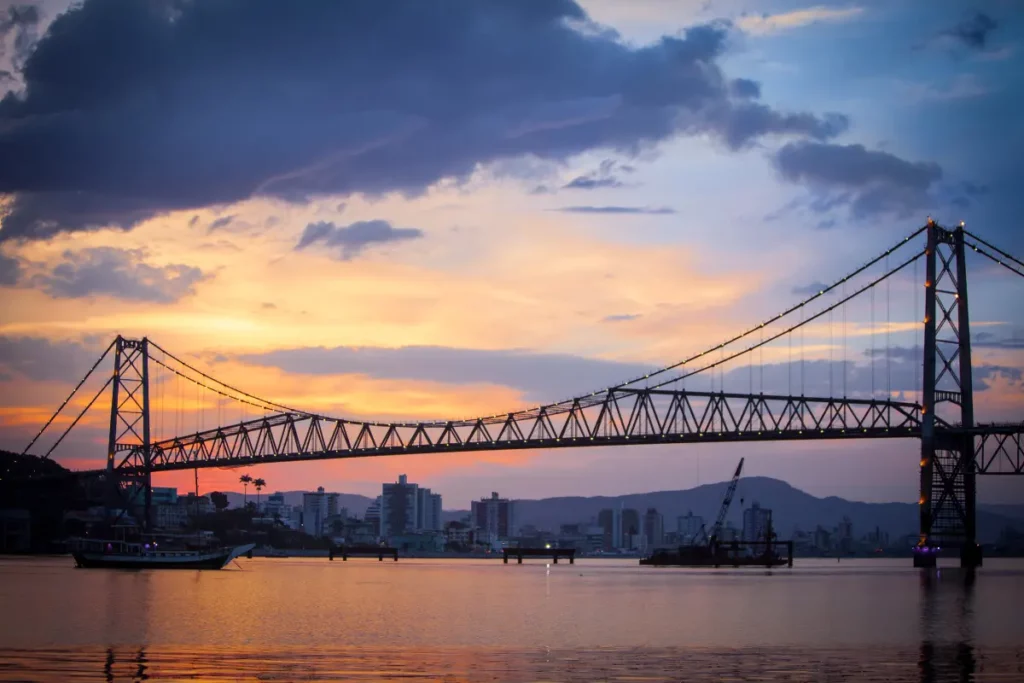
(601, 177)
(222, 222)
(354, 238)
(963, 86)
(973, 31)
(620, 318)
(121, 273)
(618, 209)
(765, 24)
(809, 289)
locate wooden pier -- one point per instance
(553, 553)
(364, 551)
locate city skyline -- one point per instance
(542, 257)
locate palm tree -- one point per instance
(259, 484)
(245, 480)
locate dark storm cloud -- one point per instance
(352, 239)
(973, 31)
(540, 375)
(42, 360)
(871, 183)
(221, 100)
(119, 273)
(618, 209)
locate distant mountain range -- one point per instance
(791, 509)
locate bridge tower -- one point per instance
(947, 502)
(129, 436)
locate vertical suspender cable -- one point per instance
(830, 345)
(888, 334)
(801, 352)
(845, 340)
(872, 342)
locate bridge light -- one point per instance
(921, 501)
(923, 463)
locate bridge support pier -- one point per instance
(947, 501)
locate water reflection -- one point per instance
(937, 663)
(947, 600)
(476, 621)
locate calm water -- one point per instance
(462, 620)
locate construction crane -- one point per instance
(716, 530)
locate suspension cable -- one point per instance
(229, 387)
(80, 415)
(200, 384)
(738, 337)
(793, 328)
(996, 259)
(566, 405)
(996, 249)
(68, 399)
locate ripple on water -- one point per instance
(931, 663)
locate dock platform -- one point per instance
(364, 551)
(553, 553)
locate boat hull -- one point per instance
(90, 561)
(209, 560)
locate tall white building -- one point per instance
(315, 512)
(653, 529)
(399, 504)
(406, 508)
(276, 506)
(755, 522)
(495, 517)
(428, 510)
(372, 515)
(688, 527)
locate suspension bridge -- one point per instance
(656, 408)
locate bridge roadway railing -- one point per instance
(623, 416)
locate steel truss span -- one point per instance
(621, 417)
(999, 449)
(651, 409)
